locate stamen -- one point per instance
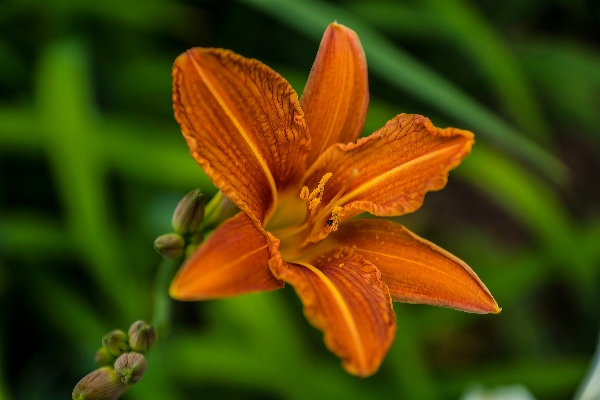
(313, 205)
(316, 196)
(338, 195)
(321, 186)
(304, 193)
(334, 221)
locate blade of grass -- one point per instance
(534, 203)
(521, 193)
(568, 74)
(137, 151)
(460, 25)
(145, 153)
(19, 233)
(66, 111)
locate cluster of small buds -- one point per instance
(187, 221)
(122, 363)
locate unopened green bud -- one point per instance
(101, 384)
(170, 246)
(142, 336)
(130, 367)
(218, 209)
(103, 357)
(189, 213)
(115, 342)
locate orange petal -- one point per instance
(232, 261)
(344, 296)
(414, 269)
(389, 172)
(243, 124)
(336, 95)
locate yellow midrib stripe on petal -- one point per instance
(337, 296)
(426, 266)
(239, 127)
(389, 174)
(223, 268)
(429, 267)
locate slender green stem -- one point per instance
(161, 318)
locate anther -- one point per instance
(318, 192)
(335, 219)
(304, 193)
(315, 197)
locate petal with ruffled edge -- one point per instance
(344, 296)
(414, 269)
(232, 261)
(389, 172)
(336, 95)
(243, 124)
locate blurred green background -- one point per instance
(92, 165)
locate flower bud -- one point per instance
(101, 384)
(115, 342)
(142, 336)
(218, 209)
(103, 357)
(130, 367)
(189, 213)
(170, 246)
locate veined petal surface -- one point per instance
(336, 95)
(414, 269)
(344, 296)
(232, 261)
(389, 172)
(243, 124)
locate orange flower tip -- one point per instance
(360, 372)
(492, 307)
(177, 292)
(182, 290)
(489, 308)
(337, 25)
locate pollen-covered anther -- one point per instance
(319, 190)
(314, 204)
(315, 197)
(334, 221)
(304, 193)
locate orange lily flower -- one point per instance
(296, 190)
